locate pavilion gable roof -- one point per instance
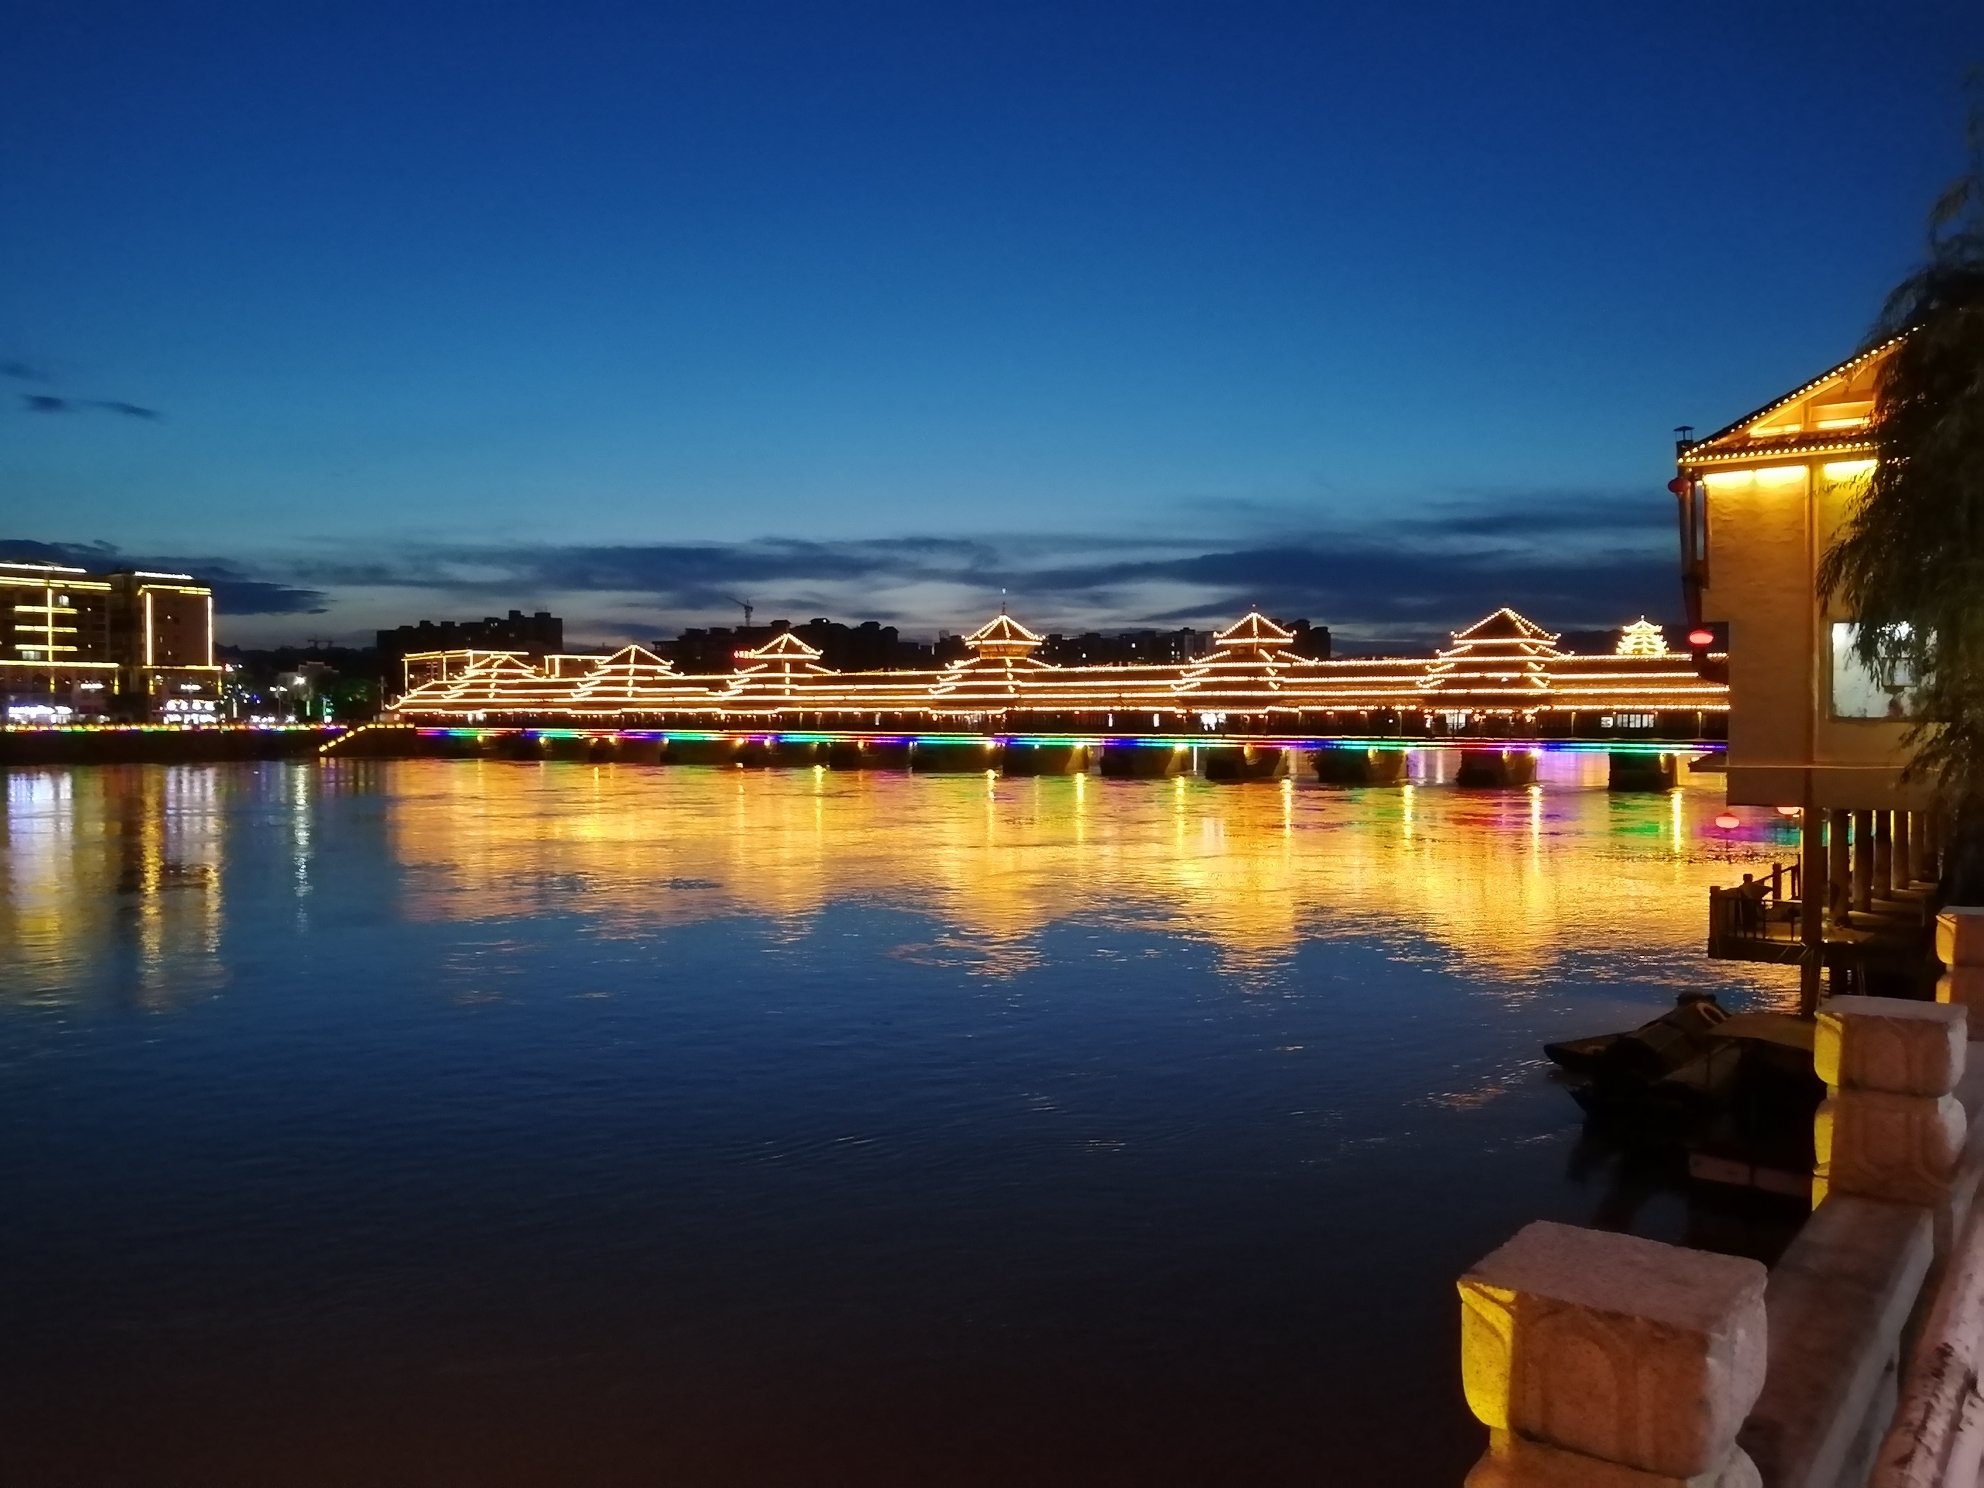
(1505, 625)
(1832, 412)
(782, 647)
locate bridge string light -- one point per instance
(1503, 673)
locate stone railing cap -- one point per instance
(1608, 1272)
(1893, 1044)
(1886, 1007)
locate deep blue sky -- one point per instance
(1378, 314)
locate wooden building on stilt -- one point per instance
(1810, 730)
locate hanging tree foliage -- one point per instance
(1909, 564)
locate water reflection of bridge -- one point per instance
(1515, 883)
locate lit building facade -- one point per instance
(1761, 502)
(1502, 678)
(130, 646)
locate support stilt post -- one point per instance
(1863, 860)
(1839, 866)
(1811, 911)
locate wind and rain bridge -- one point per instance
(1249, 709)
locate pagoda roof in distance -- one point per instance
(1505, 626)
(1253, 631)
(781, 646)
(1003, 637)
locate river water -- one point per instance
(446, 1122)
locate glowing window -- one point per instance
(1857, 691)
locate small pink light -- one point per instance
(1728, 822)
(1789, 810)
(1701, 638)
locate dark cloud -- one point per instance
(22, 371)
(1401, 588)
(690, 576)
(48, 403)
(1570, 561)
(1413, 587)
(1524, 520)
(235, 593)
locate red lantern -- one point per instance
(1700, 638)
(1728, 821)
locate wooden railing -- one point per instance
(1757, 915)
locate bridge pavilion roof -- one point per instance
(995, 673)
(778, 667)
(1498, 662)
(1246, 666)
(633, 678)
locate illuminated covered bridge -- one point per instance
(1502, 683)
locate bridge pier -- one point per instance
(969, 757)
(1361, 766)
(1496, 768)
(1145, 761)
(703, 751)
(516, 746)
(795, 755)
(1231, 762)
(452, 746)
(1046, 759)
(1644, 772)
(867, 754)
(632, 749)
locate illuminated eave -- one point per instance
(1695, 454)
(1766, 452)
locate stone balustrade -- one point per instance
(1615, 1362)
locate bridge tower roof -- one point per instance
(1003, 636)
(1499, 655)
(785, 646)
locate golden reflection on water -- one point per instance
(121, 859)
(1506, 883)
(130, 862)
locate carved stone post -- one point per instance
(1889, 1127)
(1603, 1359)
